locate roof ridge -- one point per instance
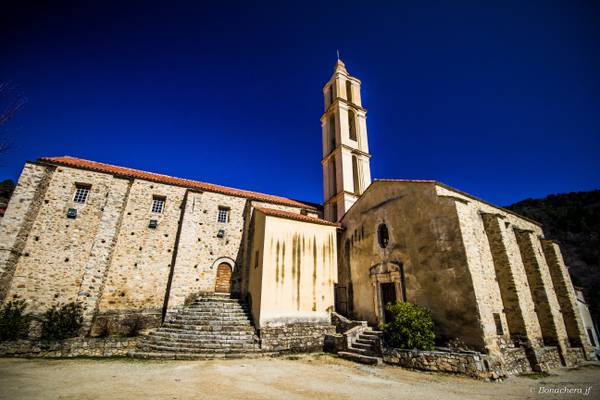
(173, 180)
(292, 215)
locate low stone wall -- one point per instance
(545, 358)
(574, 356)
(516, 361)
(75, 347)
(295, 337)
(468, 363)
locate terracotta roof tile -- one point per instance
(298, 217)
(169, 180)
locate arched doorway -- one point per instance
(223, 281)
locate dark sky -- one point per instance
(499, 99)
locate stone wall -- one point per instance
(574, 356)
(515, 361)
(108, 257)
(545, 358)
(76, 347)
(472, 364)
(295, 337)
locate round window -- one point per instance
(383, 236)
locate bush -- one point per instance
(133, 325)
(410, 327)
(14, 323)
(61, 322)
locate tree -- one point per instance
(10, 104)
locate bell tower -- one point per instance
(346, 158)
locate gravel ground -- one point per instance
(303, 377)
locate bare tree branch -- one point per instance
(10, 104)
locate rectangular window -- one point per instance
(591, 337)
(498, 321)
(158, 204)
(256, 259)
(223, 215)
(81, 193)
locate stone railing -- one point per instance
(347, 331)
(75, 347)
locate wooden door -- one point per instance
(223, 284)
(388, 295)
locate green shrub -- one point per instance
(61, 322)
(410, 327)
(14, 323)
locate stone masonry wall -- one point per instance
(565, 293)
(295, 337)
(56, 252)
(138, 273)
(485, 283)
(22, 210)
(76, 347)
(472, 364)
(108, 257)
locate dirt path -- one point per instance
(301, 378)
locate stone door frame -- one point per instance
(215, 266)
(385, 273)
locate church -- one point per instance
(171, 251)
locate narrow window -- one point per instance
(351, 125)
(498, 321)
(355, 175)
(256, 259)
(334, 211)
(332, 131)
(158, 204)
(591, 337)
(333, 177)
(223, 215)
(81, 193)
(349, 91)
(331, 93)
(383, 236)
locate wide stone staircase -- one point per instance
(365, 348)
(211, 327)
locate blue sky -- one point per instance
(499, 99)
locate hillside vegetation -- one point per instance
(573, 220)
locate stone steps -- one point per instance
(200, 335)
(365, 349)
(175, 348)
(360, 358)
(194, 356)
(211, 327)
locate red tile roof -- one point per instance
(298, 217)
(169, 180)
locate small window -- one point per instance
(498, 321)
(256, 259)
(349, 91)
(332, 131)
(81, 193)
(351, 125)
(591, 337)
(158, 204)
(223, 215)
(383, 236)
(331, 93)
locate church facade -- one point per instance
(127, 242)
